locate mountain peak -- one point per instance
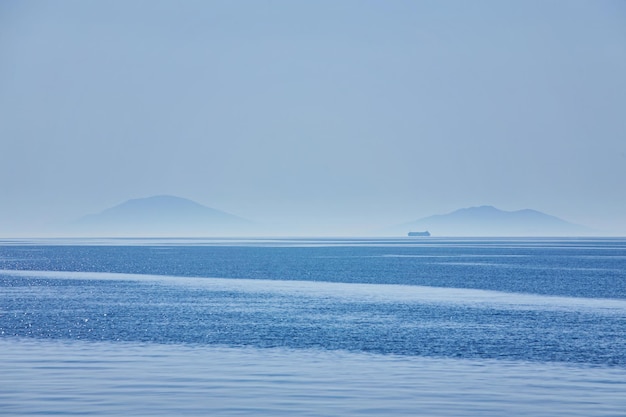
(490, 221)
(161, 215)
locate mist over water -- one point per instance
(313, 117)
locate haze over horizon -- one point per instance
(332, 117)
(171, 216)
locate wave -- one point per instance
(76, 377)
(357, 292)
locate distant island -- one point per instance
(163, 215)
(490, 221)
(171, 216)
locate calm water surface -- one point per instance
(313, 327)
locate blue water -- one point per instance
(313, 327)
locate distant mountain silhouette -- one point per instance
(490, 221)
(162, 215)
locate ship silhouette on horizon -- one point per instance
(425, 233)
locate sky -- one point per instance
(336, 117)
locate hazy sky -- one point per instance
(343, 115)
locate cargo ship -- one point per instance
(424, 234)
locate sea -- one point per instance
(313, 327)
